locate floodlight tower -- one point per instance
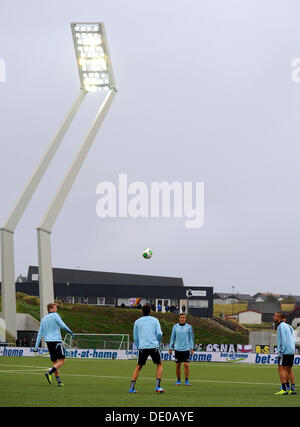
(8, 228)
(95, 72)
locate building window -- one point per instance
(124, 301)
(105, 301)
(198, 303)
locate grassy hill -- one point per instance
(83, 318)
(227, 309)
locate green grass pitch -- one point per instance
(105, 383)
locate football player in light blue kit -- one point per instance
(290, 373)
(147, 336)
(286, 352)
(50, 328)
(182, 340)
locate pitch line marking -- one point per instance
(141, 378)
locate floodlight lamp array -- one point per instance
(92, 55)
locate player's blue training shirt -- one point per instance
(285, 339)
(50, 328)
(147, 332)
(182, 337)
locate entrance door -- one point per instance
(166, 305)
(161, 305)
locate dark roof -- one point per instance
(265, 307)
(242, 297)
(246, 311)
(72, 276)
(222, 295)
(96, 290)
(118, 291)
(294, 314)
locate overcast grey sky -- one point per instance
(205, 94)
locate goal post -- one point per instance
(97, 341)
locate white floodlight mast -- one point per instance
(8, 229)
(45, 228)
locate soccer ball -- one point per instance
(147, 253)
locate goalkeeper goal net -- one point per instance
(97, 341)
